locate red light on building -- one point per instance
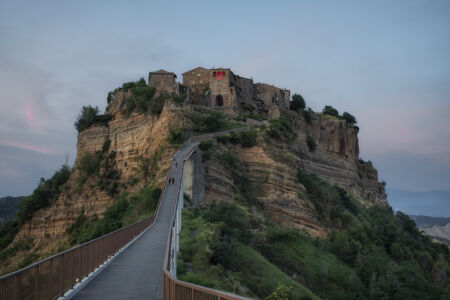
(219, 75)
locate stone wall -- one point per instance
(164, 82)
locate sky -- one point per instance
(385, 62)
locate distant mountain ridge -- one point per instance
(435, 203)
(8, 208)
(423, 221)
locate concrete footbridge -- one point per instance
(137, 272)
(134, 262)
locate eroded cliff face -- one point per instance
(272, 169)
(131, 139)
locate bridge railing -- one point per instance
(174, 289)
(52, 277)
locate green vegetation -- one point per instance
(8, 208)
(109, 176)
(330, 110)
(46, 193)
(280, 129)
(205, 144)
(143, 99)
(89, 116)
(125, 210)
(389, 257)
(197, 123)
(370, 252)
(7, 233)
(297, 103)
(216, 252)
(311, 143)
(246, 139)
(90, 163)
(307, 114)
(177, 136)
(252, 115)
(148, 166)
(211, 122)
(351, 120)
(102, 165)
(106, 145)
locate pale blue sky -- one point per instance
(386, 62)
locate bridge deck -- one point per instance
(137, 272)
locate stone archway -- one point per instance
(219, 100)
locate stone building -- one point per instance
(220, 88)
(164, 82)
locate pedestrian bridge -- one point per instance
(134, 262)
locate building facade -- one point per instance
(221, 89)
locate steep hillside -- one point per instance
(8, 208)
(259, 190)
(273, 163)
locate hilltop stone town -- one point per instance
(223, 90)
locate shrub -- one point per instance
(307, 114)
(329, 110)
(89, 116)
(110, 97)
(7, 233)
(210, 122)
(177, 136)
(90, 163)
(249, 138)
(349, 118)
(223, 139)
(281, 128)
(205, 144)
(297, 103)
(148, 166)
(255, 116)
(179, 99)
(132, 84)
(311, 143)
(106, 144)
(86, 118)
(46, 193)
(235, 137)
(156, 105)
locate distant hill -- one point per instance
(8, 208)
(423, 221)
(434, 203)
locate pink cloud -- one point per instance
(39, 149)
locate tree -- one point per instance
(298, 103)
(349, 118)
(282, 292)
(86, 118)
(330, 110)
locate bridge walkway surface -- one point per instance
(137, 272)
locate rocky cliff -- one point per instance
(272, 168)
(131, 139)
(125, 141)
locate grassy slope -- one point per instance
(254, 276)
(370, 254)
